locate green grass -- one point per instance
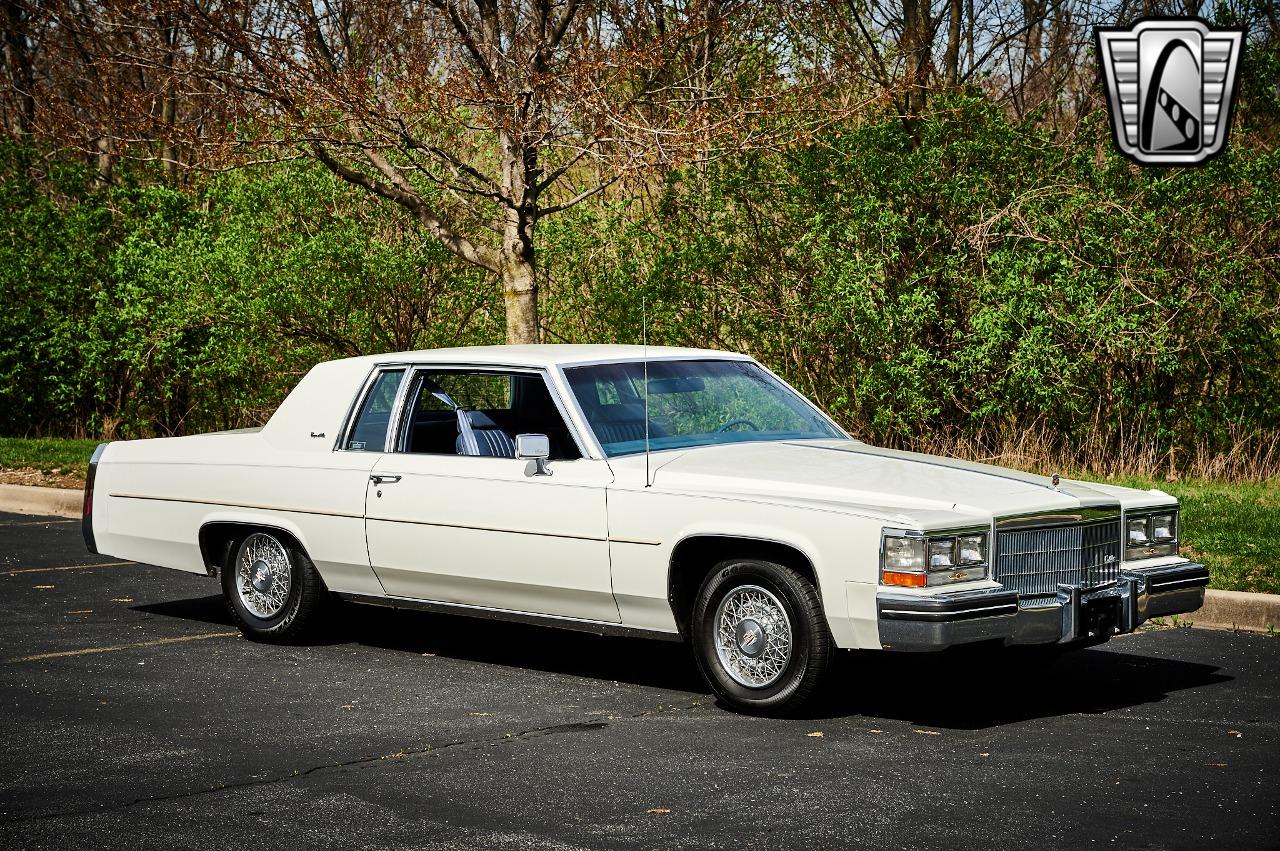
(46, 454)
(1233, 528)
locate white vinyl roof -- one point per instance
(544, 355)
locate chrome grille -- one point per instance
(1034, 562)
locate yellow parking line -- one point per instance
(38, 522)
(39, 657)
(66, 567)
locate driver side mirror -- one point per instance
(535, 448)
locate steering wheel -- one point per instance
(731, 423)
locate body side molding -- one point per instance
(513, 616)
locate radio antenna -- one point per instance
(644, 339)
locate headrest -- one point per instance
(478, 419)
(622, 412)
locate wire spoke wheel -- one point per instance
(264, 576)
(753, 638)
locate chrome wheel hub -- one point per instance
(753, 636)
(263, 576)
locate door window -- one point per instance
(503, 404)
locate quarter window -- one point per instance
(370, 431)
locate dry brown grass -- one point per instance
(1247, 457)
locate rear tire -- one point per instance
(760, 637)
(273, 590)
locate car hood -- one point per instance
(897, 485)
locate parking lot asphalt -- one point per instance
(132, 714)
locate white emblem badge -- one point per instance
(1170, 84)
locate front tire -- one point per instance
(273, 591)
(760, 637)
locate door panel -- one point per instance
(489, 532)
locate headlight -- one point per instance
(904, 554)
(941, 551)
(972, 549)
(916, 560)
(1150, 533)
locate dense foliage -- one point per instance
(979, 283)
(990, 284)
(140, 310)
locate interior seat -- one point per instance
(623, 422)
(479, 435)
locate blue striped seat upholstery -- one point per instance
(483, 438)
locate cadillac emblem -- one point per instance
(1170, 84)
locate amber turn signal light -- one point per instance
(910, 580)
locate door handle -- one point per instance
(379, 479)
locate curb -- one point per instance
(48, 502)
(1234, 610)
(1237, 610)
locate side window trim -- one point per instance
(357, 404)
(400, 412)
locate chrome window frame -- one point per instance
(357, 404)
(399, 411)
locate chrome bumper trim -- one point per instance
(1077, 616)
(86, 519)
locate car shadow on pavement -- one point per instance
(658, 664)
(977, 688)
(961, 689)
(211, 609)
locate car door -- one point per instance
(489, 530)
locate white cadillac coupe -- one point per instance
(684, 494)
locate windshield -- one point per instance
(691, 403)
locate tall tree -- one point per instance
(482, 117)
(19, 67)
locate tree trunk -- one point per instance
(17, 59)
(106, 161)
(169, 105)
(519, 277)
(917, 48)
(520, 292)
(169, 151)
(519, 280)
(1032, 88)
(952, 59)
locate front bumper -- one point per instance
(936, 621)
